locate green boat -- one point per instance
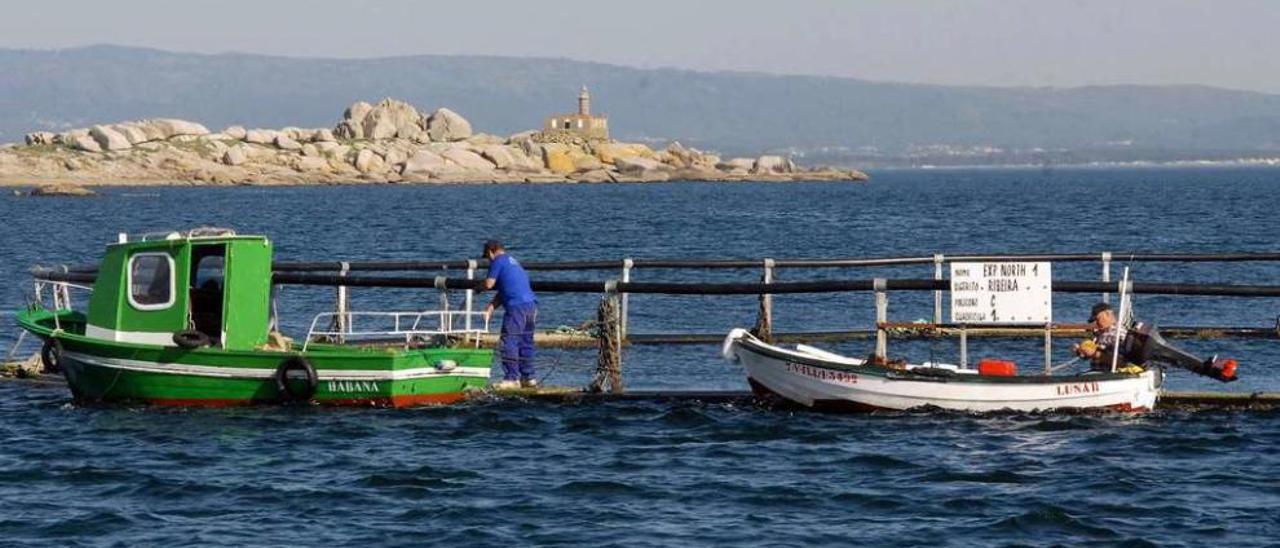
(188, 319)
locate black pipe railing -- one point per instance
(750, 288)
(60, 276)
(356, 266)
(820, 286)
(428, 265)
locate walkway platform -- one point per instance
(567, 394)
(1168, 400)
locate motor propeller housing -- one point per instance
(1144, 343)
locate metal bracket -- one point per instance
(769, 265)
(938, 259)
(343, 306)
(469, 295)
(1106, 274)
(624, 311)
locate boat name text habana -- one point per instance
(370, 387)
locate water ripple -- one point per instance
(502, 473)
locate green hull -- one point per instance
(106, 371)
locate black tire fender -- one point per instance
(191, 339)
(51, 355)
(285, 389)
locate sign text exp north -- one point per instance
(1001, 292)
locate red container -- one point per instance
(997, 368)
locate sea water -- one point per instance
(660, 474)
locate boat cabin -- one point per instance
(209, 281)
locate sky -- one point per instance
(1225, 43)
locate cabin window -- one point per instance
(579, 123)
(568, 124)
(209, 273)
(151, 281)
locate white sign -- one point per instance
(1001, 292)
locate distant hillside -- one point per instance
(731, 112)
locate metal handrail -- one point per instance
(85, 288)
(660, 263)
(444, 320)
(412, 265)
(61, 292)
(814, 286)
(317, 273)
(61, 295)
(198, 232)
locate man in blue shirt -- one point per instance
(515, 296)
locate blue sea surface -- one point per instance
(638, 473)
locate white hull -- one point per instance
(817, 379)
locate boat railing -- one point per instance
(356, 326)
(58, 292)
(56, 296)
(198, 232)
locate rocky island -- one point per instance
(388, 142)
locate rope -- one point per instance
(102, 396)
(584, 330)
(609, 360)
(13, 350)
(1063, 365)
(763, 328)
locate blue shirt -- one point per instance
(512, 281)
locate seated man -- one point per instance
(1142, 343)
(1099, 350)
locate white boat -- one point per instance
(817, 379)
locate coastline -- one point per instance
(390, 142)
(18, 182)
(12, 182)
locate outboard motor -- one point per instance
(1143, 343)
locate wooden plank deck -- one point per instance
(1249, 400)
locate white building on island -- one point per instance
(581, 123)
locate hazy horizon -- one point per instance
(996, 43)
(660, 67)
